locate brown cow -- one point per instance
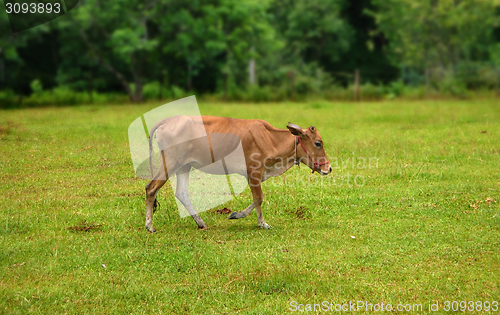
(268, 152)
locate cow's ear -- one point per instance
(295, 130)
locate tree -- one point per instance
(117, 38)
(312, 28)
(311, 34)
(16, 72)
(366, 50)
(436, 33)
(215, 34)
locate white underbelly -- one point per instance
(223, 167)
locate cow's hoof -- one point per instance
(234, 215)
(151, 229)
(203, 228)
(265, 226)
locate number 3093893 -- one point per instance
(33, 7)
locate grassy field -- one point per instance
(418, 225)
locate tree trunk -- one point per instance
(138, 91)
(291, 76)
(426, 82)
(137, 65)
(2, 70)
(120, 78)
(225, 87)
(356, 85)
(161, 81)
(496, 81)
(251, 71)
(189, 81)
(251, 68)
(91, 86)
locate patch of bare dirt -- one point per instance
(300, 213)
(84, 226)
(224, 211)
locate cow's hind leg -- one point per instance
(242, 214)
(182, 193)
(151, 203)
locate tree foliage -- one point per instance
(206, 45)
(437, 33)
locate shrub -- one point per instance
(9, 99)
(36, 86)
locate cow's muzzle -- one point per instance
(326, 173)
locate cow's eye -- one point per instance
(318, 144)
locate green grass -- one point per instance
(422, 226)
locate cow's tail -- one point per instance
(151, 134)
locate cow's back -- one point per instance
(250, 131)
(225, 135)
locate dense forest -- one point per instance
(269, 49)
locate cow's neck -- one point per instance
(289, 141)
(284, 142)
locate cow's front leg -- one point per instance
(182, 193)
(242, 214)
(258, 197)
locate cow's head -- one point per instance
(309, 149)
